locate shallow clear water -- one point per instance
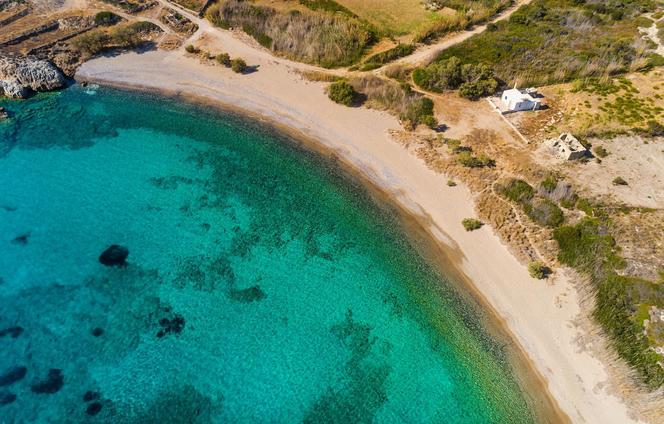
(301, 299)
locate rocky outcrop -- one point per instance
(20, 76)
(114, 255)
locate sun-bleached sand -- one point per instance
(541, 316)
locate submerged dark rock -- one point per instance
(97, 331)
(94, 408)
(114, 255)
(12, 375)
(12, 332)
(21, 240)
(6, 398)
(248, 295)
(171, 326)
(52, 384)
(90, 395)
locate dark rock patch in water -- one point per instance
(6, 398)
(90, 396)
(171, 326)
(248, 295)
(114, 255)
(21, 240)
(12, 375)
(12, 332)
(52, 384)
(97, 331)
(93, 409)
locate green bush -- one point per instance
(238, 65)
(341, 92)
(518, 191)
(91, 42)
(451, 183)
(144, 26)
(420, 111)
(106, 18)
(223, 59)
(469, 160)
(544, 212)
(471, 224)
(538, 270)
(189, 48)
(473, 81)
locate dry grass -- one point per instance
(394, 17)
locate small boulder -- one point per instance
(97, 331)
(21, 240)
(114, 255)
(51, 384)
(3, 113)
(12, 375)
(6, 398)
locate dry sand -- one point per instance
(542, 316)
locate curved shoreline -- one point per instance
(548, 364)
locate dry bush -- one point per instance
(312, 37)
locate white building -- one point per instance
(567, 147)
(516, 100)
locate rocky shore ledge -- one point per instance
(21, 76)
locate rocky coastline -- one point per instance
(21, 76)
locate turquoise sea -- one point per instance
(262, 285)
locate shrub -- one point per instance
(544, 212)
(655, 129)
(125, 37)
(189, 48)
(238, 65)
(518, 191)
(473, 81)
(619, 181)
(144, 26)
(106, 18)
(341, 92)
(91, 42)
(471, 224)
(420, 111)
(538, 270)
(451, 183)
(601, 152)
(223, 59)
(468, 160)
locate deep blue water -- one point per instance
(301, 299)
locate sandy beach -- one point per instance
(542, 317)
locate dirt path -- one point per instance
(426, 54)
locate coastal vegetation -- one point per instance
(410, 107)
(342, 92)
(588, 247)
(320, 38)
(473, 81)
(538, 270)
(120, 36)
(471, 224)
(550, 41)
(538, 207)
(106, 18)
(379, 59)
